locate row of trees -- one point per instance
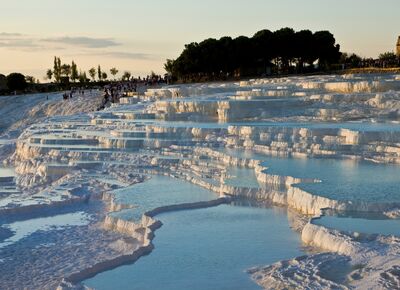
(63, 73)
(385, 60)
(281, 51)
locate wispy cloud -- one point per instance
(82, 41)
(10, 34)
(25, 42)
(22, 42)
(17, 40)
(17, 43)
(88, 46)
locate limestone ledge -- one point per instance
(371, 260)
(293, 197)
(143, 232)
(379, 146)
(331, 240)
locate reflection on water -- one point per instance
(342, 179)
(208, 249)
(22, 229)
(242, 177)
(158, 191)
(368, 223)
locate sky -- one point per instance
(139, 36)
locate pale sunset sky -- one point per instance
(139, 35)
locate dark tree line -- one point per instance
(282, 51)
(385, 60)
(13, 82)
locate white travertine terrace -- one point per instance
(351, 251)
(183, 132)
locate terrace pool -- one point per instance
(156, 192)
(342, 179)
(208, 249)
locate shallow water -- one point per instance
(242, 177)
(158, 191)
(342, 179)
(22, 229)
(208, 249)
(366, 225)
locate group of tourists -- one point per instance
(73, 92)
(113, 91)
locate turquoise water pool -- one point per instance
(342, 179)
(242, 177)
(208, 249)
(367, 224)
(22, 229)
(158, 191)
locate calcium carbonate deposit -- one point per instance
(313, 161)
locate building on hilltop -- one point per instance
(398, 47)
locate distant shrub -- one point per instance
(16, 82)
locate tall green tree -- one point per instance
(263, 49)
(65, 70)
(74, 72)
(325, 49)
(57, 69)
(82, 77)
(304, 54)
